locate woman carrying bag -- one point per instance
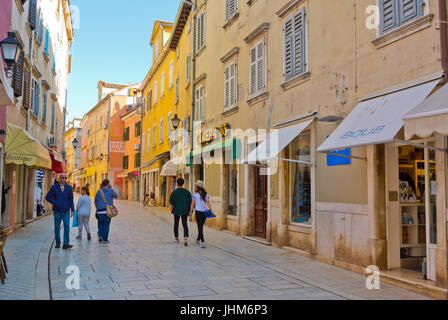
(201, 204)
(83, 208)
(104, 203)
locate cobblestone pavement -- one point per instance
(143, 262)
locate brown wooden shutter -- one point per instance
(18, 75)
(26, 85)
(32, 14)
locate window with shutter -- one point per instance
(161, 131)
(231, 8)
(143, 142)
(201, 31)
(188, 69)
(171, 75)
(295, 49)
(52, 117)
(154, 136)
(44, 106)
(149, 139)
(177, 88)
(162, 85)
(170, 125)
(395, 13)
(230, 86)
(47, 40)
(257, 69)
(155, 92)
(18, 75)
(26, 102)
(199, 109)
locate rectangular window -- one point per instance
(161, 131)
(395, 13)
(257, 69)
(52, 117)
(47, 41)
(154, 136)
(126, 134)
(125, 161)
(149, 139)
(301, 180)
(199, 114)
(295, 50)
(149, 97)
(188, 69)
(155, 92)
(170, 125)
(137, 160)
(44, 106)
(162, 84)
(177, 89)
(138, 129)
(143, 143)
(171, 75)
(200, 36)
(36, 101)
(230, 86)
(231, 9)
(18, 75)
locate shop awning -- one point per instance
(122, 175)
(22, 149)
(170, 168)
(232, 144)
(6, 92)
(429, 117)
(276, 142)
(377, 120)
(151, 163)
(58, 164)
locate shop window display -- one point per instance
(301, 180)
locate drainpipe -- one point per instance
(443, 37)
(193, 78)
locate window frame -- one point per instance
(258, 92)
(228, 14)
(199, 105)
(296, 71)
(231, 104)
(398, 19)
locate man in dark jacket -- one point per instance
(61, 197)
(180, 203)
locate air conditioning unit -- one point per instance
(137, 147)
(51, 142)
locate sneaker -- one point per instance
(67, 246)
(203, 245)
(89, 237)
(100, 239)
(177, 240)
(57, 246)
(185, 242)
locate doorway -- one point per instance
(412, 228)
(261, 203)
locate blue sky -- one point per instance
(112, 44)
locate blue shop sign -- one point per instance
(335, 160)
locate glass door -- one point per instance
(431, 212)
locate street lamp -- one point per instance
(175, 121)
(11, 50)
(75, 143)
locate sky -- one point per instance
(111, 44)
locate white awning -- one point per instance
(377, 120)
(429, 117)
(276, 141)
(170, 168)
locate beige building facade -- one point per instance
(297, 68)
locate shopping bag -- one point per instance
(209, 214)
(75, 219)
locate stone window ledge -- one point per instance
(201, 50)
(230, 111)
(403, 31)
(296, 81)
(231, 21)
(258, 98)
(301, 228)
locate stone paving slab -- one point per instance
(142, 262)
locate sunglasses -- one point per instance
(63, 178)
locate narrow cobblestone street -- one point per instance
(143, 262)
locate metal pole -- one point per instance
(193, 78)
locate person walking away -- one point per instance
(180, 204)
(200, 203)
(105, 192)
(61, 197)
(4, 193)
(84, 207)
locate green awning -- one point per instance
(235, 144)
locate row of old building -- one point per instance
(36, 39)
(318, 126)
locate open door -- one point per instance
(261, 203)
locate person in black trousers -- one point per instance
(180, 203)
(200, 203)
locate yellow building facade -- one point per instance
(159, 94)
(72, 155)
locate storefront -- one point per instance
(90, 180)
(152, 180)
(429, 122)
(402, 219)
